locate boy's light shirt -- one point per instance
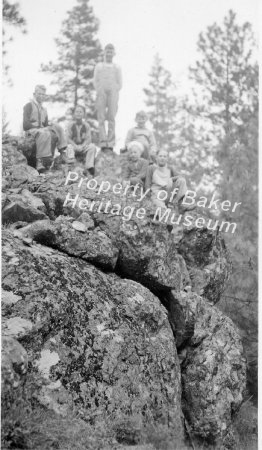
(98, 69)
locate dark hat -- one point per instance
(109, 46)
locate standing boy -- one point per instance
(144, 135)
(107, 82)
(79, 139)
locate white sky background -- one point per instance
(137, 28)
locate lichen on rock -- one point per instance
(114, 352)
(109, 320)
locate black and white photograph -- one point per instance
(130, 214)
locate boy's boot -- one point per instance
(39, 165)
(90, 171)
(63, 156)
(183, 208)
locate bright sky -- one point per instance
(137, 28)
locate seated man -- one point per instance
(143, 135)
(135, 172)
(79, 138)
(160, 177)
(35, 123)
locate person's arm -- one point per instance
(96, 80)
(126, 172)
(27, 124)
(129, 136)
(174, 172)
(88, 138)
(70, 136)
(119, 78)
(149, 176)
(142, 172)
(45, 124)
(152, 142)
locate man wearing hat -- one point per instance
(35, 123)
(107, 82)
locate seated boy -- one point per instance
(79, 139)
(166, 185)
(146, 137)
(135, 172)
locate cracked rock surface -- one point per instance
(110, 322)
(97, 341)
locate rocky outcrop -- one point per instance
(148, 252)
(10, 153)
(96, 340)
(213, 366)
(80, 295)
(14, 363)
(207, 261)
(22, 206)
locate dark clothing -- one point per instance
(79, 133)
(35, 123)
(136, 171)
(34, 116)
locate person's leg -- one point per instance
(181, 186)
(43, 144)
(90, 157)
(179, 190)
(60, 134)
(54, 141)
(111, 114)
(101, 117)
(156, 201)
(43, 148)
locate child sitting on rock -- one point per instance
(143, 135)
(135, 172)
(79, 139)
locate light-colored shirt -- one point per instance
(107, 77)
(161, 180)
(146, 137)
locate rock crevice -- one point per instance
(81, 294)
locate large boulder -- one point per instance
(207, 261)
(212, 364)
(27, 146)
(11, 154)
(23, 206)
(14, 367)
(74, 238)
(149, 253)
(98, 342)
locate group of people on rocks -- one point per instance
(146, 166)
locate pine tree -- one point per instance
(78, 51)
(161, 103)
(177, 128)
(227, 75)
(224, 71)
(5, 122)
(11, 18)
